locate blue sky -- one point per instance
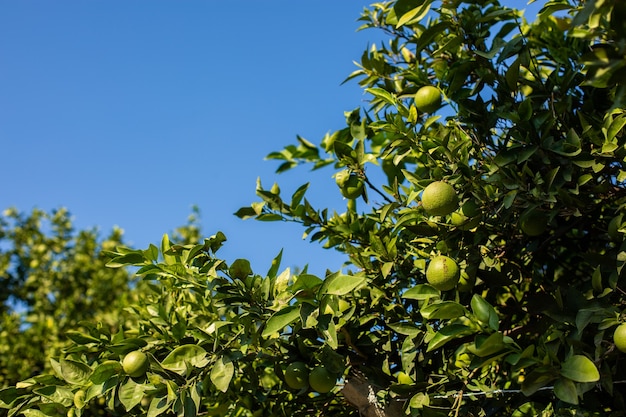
(128, 113)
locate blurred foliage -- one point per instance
(52, 278)
(530, 134)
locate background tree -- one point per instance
(53, 277)
(484, 235)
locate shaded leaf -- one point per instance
(222, 373)
(580, 368)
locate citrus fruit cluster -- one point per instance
(320, 379)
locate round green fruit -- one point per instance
(297, 375)
(341, 177)
(321, 380)
(428, 99)
(240, 269)
(619, 337)
(533, 222)
(439, 198)
(352, 187)
(463, 222)
(136, 364)
(443, 273)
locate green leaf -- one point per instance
(81, 338)
(487, 346)
(484, 312)
(281, 319)
(616, 126)
(448, 333)
(298, 195)
(339, 284)
(130, 393)
(74, 372)
(407, 329)
(414, 15)
(32, 412)
(104, 371)
(222, 373)
(132, 258)
(56, 394)
(537, 379)
(580, 368)
(382, 94)
(184, 357)
(565, 390)
(329, 330)
(159, 405)
(421, 292)
(443, 310)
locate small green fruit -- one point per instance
(352, 187)
(135, 364)
(240, 269)
(341, 177)
(297, 375)
(533, 222)
(321, 380)
(428, 99)
(439, 198)
(619, 337)
(463, 222)
(443, 273)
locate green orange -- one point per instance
(135, 364)
(297, 375)
(352, 187)
(619, 337)
(533, 222)
(322, 380)
(443, 273)
(439, 198)
(427, 99)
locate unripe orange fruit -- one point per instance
(322, 380)
(443, 273)
(533, 222)
(619, 337)
(439, 198)
(427, 99)
(135, 364)
(297, 375)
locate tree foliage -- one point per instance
(52, 278)
(530, 134)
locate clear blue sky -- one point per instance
(130, 112)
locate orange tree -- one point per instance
(52, 276)
(527, 289)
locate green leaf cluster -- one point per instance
(532, 121)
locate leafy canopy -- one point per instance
(532, 120)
